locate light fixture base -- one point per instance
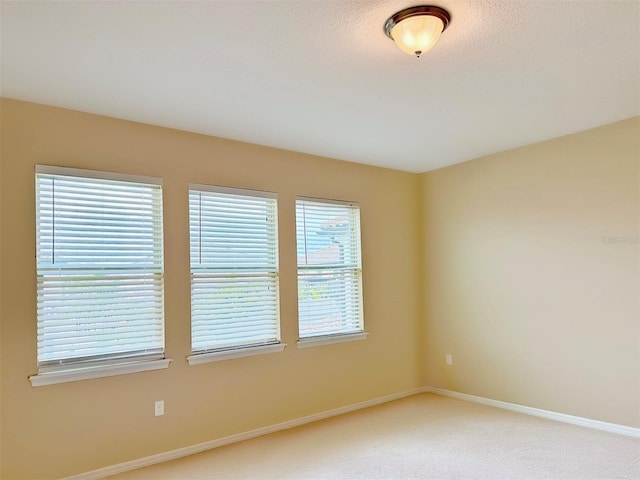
(396, 18)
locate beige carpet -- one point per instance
(420, 437)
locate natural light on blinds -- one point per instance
(234, 268)
(99, 268)
(329, 268)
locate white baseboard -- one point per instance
(201, 447)
(537, 412)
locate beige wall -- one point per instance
(65, 429)
(531, 262)
(524, 265)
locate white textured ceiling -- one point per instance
(321, 77)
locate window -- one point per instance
(329, 268)
(99, 270)
(234, 272)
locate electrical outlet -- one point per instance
(449, 359)
(159, 408)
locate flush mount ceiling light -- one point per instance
(417, 29)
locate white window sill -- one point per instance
(199, 358)
(329, 339)
(85, 373)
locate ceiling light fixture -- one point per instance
(417, 29)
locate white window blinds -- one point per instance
(234, 268)
(329, 268)
(99, 268)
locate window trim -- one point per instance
(86, 373)
(233, 190)
(73, 370)
(340, 337)
(332, 201)
(96, 174)
(230, 352)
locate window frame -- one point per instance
(69, 369)
(200, 356)
(355, 232)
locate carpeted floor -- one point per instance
(421, 437)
